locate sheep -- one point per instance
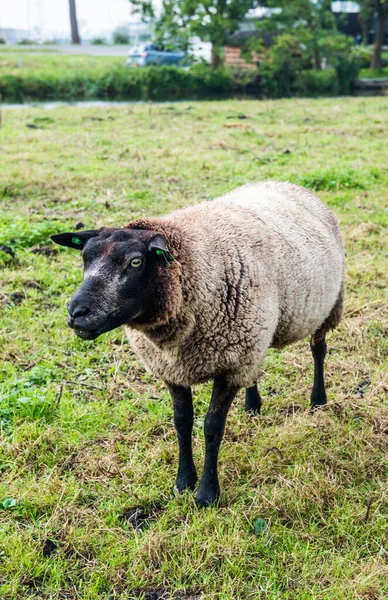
(205, 291)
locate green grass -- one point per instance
(87, 434)
(374, 73)
(17, 61)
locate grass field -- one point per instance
(88, 451)
(15, 61)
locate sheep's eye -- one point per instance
(136, 262)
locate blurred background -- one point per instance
(83, 49)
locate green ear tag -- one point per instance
(161, 253)
(164, 254)
(76, 240)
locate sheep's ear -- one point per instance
(75, 240)
(158, 245)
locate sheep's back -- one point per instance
(290, 244)
(301, 245)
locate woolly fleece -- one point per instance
(261, 266)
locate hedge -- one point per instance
(151, 83)
(166, 83)
(316, 83)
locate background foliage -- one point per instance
(32, 77)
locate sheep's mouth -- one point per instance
(87, 334)
(89, 329)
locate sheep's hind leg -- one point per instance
(183, 420)
(252, 400)
(221, 400)
(318, 348)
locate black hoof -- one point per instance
(207, 497)
(252, 400)
(186, 482)
(318, 398)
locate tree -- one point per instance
(308, 20)
(210, 20)
(75, 39)
(381, 7)
(367, 10)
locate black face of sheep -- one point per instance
(119, 278)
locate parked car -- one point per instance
(150, 54)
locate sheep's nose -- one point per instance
(78, 310)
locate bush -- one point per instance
(286, 68)
(282, 73)
(316, 83)
(121, 83)
(347, 70)
(98, 41)
(363, 55)
(2, 41)
(120, 35)
(334, 45)
(281, 65)
(340, 53)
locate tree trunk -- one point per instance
(75, 39)
(382, 15)
(316, 57)
(365, 26)
(217, 58)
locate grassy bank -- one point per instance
(87, 436)
(17, 62)
(374, 73)
(25, 77)
(38, 76)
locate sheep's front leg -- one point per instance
(222, 397)
(183, 419)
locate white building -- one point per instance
(13, 36)
(139, 32)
